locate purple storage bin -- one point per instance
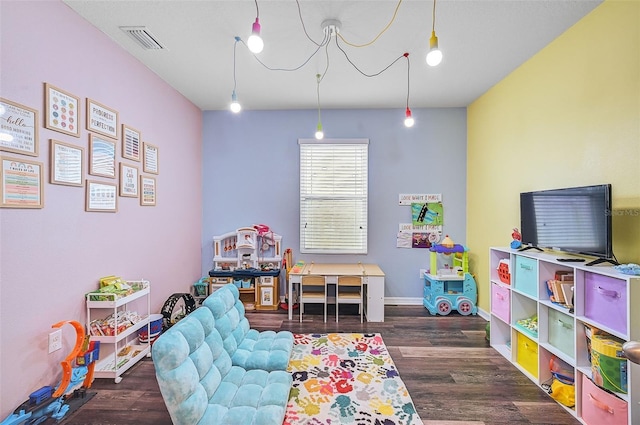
(605, 301)
(500, 302)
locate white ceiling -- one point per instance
(482, 42)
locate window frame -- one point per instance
(357, 240)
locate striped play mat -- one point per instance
(345, 378)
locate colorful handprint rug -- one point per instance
(345, 378)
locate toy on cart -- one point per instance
(448, 283)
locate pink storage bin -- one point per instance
(599, 407)
(500, 302)
(605, 301)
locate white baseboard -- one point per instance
(486, 316)
(402, 301)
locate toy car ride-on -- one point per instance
(451, 286)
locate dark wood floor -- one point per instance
(452, 374)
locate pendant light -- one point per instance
(254, 42)
(434, 57)
(319, 132)
(408, 120)
(235, 105)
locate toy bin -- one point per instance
(526, 276)
(605, 301)
(527, 354)
(503, 272)
(155, 326)
(600, 407)
(500, 302)
(561, 332)
(609, 370)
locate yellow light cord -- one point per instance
(395, 12)
(433, 17)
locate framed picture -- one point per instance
(21, 183)
(150, 159)
(130, 143)
(102, 157)
(18, 128)
(101, 119)
(147, 190)
(128, 180)
(66, 164)
(62, 111)
(266, 295)
(101, 197)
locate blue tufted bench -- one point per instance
(224, 378)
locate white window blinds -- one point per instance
(333, 196)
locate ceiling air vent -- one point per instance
(143, 37)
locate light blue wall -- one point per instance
(251, 165)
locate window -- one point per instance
(333, 196)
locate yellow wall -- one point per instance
(570, 116)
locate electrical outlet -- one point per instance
(55, 340)
(422, 273)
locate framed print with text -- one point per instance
(101, 119)
(102, 156)
(18, 128)
(130, 143)
(147, 191)
(66, 164)
(62, 111)
(21, 183)
(128, 180)
(150, 159)
(101, 196)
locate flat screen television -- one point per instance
(575, 219)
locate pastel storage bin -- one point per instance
(561, 332)
(609, 370)
(527, 354)
(526, 276)
(600, 408)
(500, 302)
(605, 301)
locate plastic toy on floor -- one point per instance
(448, 283)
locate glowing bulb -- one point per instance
(434, 57)
(235, 105)
(408, 121)
(319, 132)
(255, 43)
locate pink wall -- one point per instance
(51, 257)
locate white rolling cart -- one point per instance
(124, 338)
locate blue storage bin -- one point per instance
(526, 276)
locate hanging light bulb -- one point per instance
(255, 42)
(319, 132)
(434, 57)
(235, 105)
(408, 121)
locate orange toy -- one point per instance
(68, 361)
